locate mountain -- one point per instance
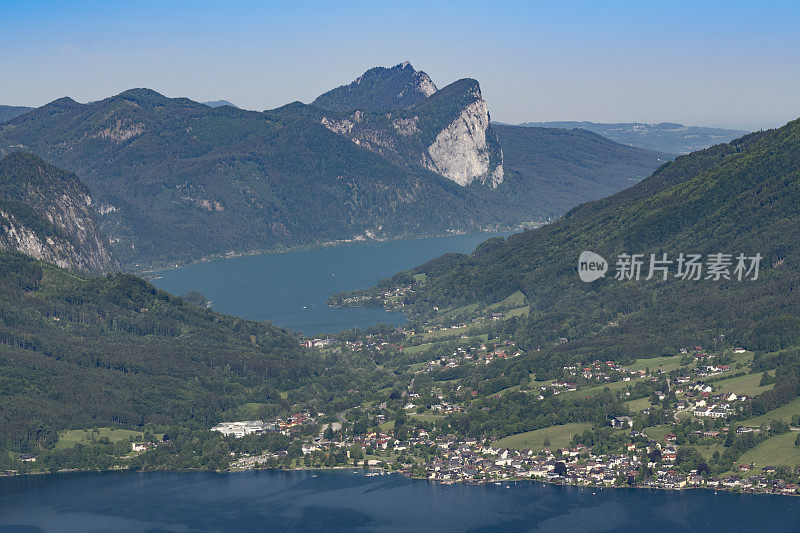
(47, 213)
(219, 103)
(735, 198)
(664, 137)
(379, 89)
(448, 132)
(175, 180)
(7, 112)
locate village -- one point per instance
(643, 462)
(688, 391)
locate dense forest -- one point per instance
(114, 351)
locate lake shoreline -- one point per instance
(156, 267)
(291, 289)
(375, 470)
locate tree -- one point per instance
(560, 468)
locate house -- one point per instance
(25, 458)
(694, 479)
(622, 422)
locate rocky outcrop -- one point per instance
(461, 152)
(47, 213)
(448, 131)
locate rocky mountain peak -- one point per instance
(447, 131)
(379, 89)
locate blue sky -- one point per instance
(703, 62)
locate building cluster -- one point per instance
(472, 462)
(470, 354)
(244, 427)
(258, 427)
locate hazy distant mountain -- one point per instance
(47, 213)
(552, 170)
(7, 112)
(176, 180)
(219, 103)
(665, 137)
(379, 89)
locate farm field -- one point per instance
(784, 413)
(777, 450)
(559, 436)
(747, 385)
(69, 438)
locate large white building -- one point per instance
(246, 427)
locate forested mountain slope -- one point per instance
(7, 112)
(742, 197)
(92, 352)
(177, 180)
(550, 170)
(379, 89)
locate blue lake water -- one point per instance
(290, 289)
(348, 501)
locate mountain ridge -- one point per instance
(7, 112)
(662, 137)
(175, 180)
(379, 89)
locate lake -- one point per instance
(348, 501)
(290, 289)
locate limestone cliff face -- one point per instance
(461, 152)
(447, 131)
(47, 213)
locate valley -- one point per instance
(440, 266)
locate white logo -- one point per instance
(633, 267)
(591, 266)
